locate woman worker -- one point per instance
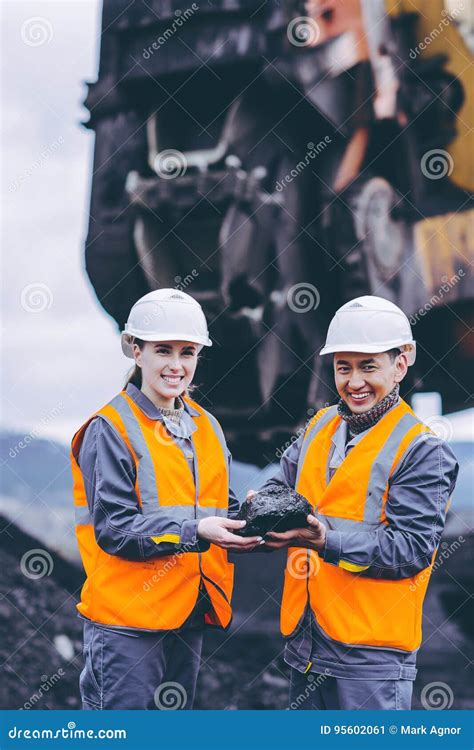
(153, 518)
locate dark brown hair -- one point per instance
(135, 376)
(393, 354)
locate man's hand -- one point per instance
(215, 530)
(314, 537)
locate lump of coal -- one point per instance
(273, 509)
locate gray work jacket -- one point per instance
(419, 490)
(109, 478)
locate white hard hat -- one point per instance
(370, 325)
(165, 315)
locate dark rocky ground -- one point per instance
(40, 635)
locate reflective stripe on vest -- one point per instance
(351, 608)
(160, 593)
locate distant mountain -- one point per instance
(36, 489)
(33, 466)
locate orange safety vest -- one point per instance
(349, 607)
(157, 594)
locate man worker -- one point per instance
(380, 483)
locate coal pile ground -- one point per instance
(243, 668)
(40, 635)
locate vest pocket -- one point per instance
(386, 613)
(88, 682)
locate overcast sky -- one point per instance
(61, 351)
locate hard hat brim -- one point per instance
(358, 348)
(372, 349)
(127, 338)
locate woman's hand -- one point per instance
(215, 530)
(313, 537)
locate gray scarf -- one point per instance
(174, 415)
(360, 422)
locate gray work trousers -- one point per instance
(140, 672)
(312, 691)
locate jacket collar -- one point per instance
(340, 437)
(149, 408)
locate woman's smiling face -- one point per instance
(362, 380)
(168, 368)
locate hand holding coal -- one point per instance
(274, 509)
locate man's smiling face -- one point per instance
(362, 380)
